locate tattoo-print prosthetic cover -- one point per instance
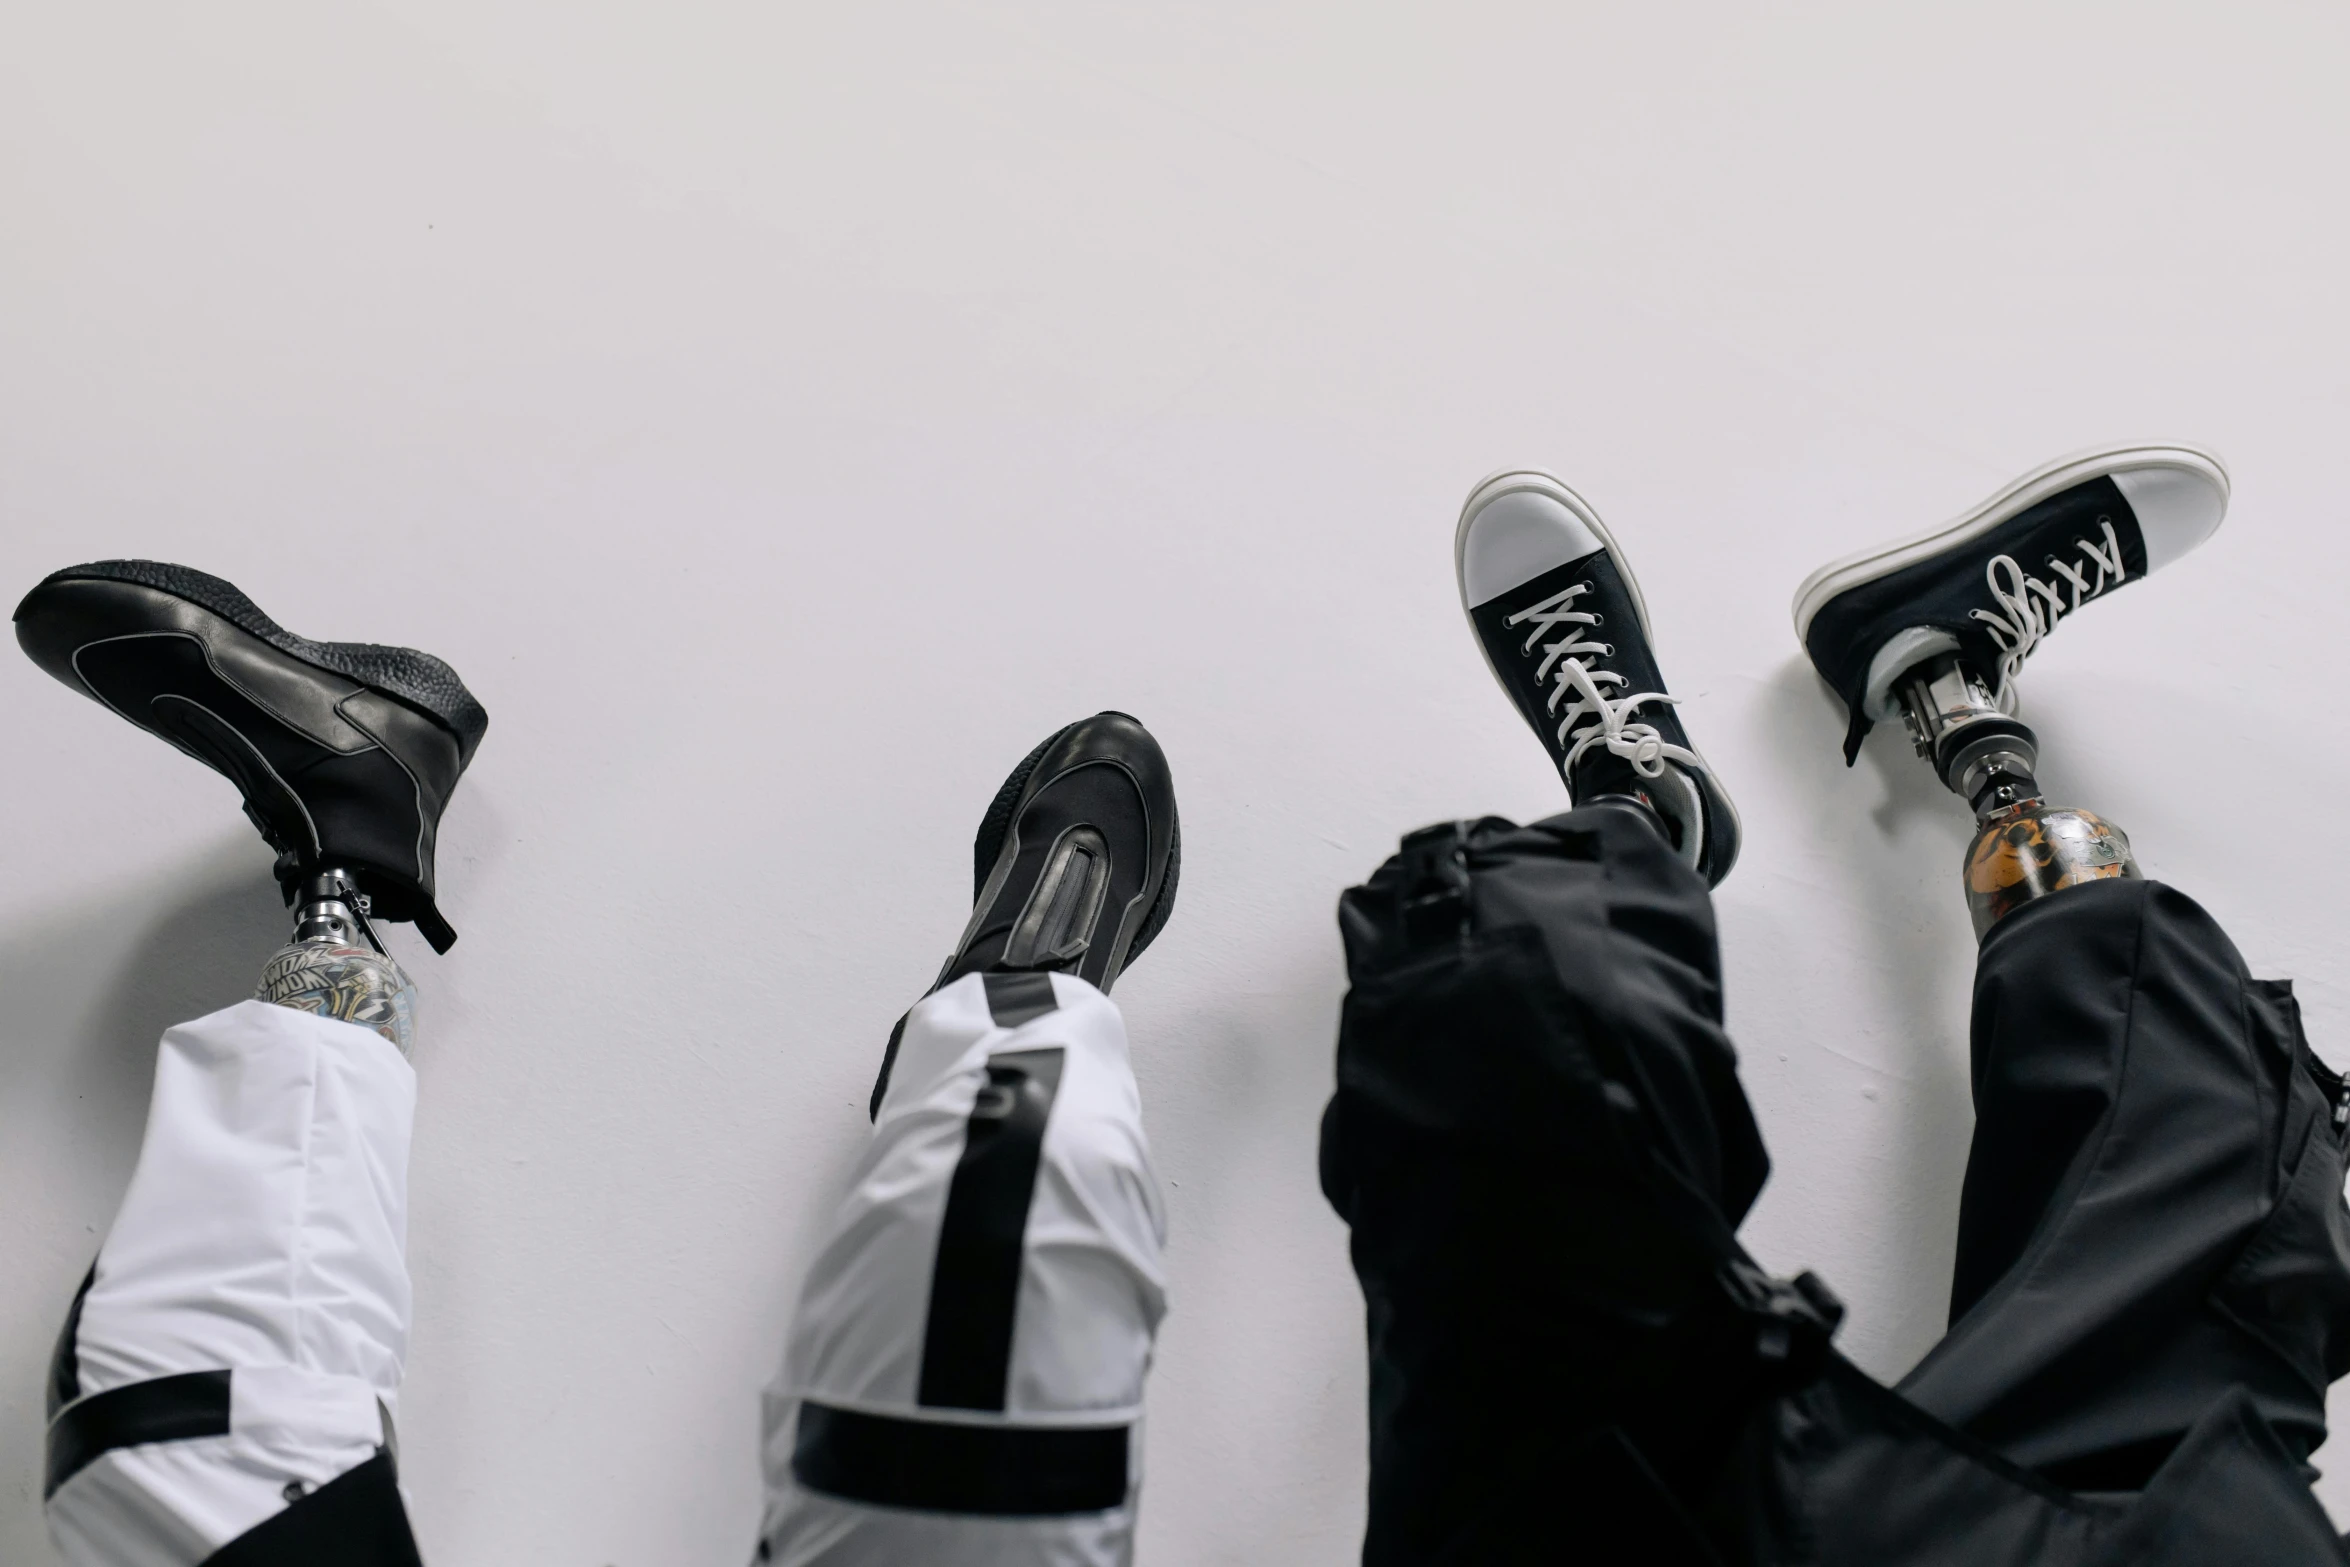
(352, 983)
(2033, 849)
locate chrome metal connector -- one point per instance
(1980, 753)
(331, 908)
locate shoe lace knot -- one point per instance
(1579, 695)
(2027, 608)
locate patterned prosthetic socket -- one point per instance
(326, 971)
(2025, 847)
(2031, 849)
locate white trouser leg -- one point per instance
(905, 1427)
(264, 1234)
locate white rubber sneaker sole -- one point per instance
(1509, 481)
(2053, 478)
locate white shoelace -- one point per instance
(1589, 716)
(2028, 608)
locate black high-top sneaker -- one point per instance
(346, 752)
(1075, 863)
(1990, 585)
(1564, 629)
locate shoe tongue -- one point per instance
(2039, 541)
(1604, 596)
(1600, 771)
(1670, 794)
(1607, 596)
(2055, 528)
(1628, 651)
(1628, 654)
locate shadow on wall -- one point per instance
(193, 944)
(196, 952)
(87, 992)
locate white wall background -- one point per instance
(785, 414)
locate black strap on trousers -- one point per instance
(355, 1520)
(178, 1408)
(957, 1464)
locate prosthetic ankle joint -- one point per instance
(1982, 754)
(330, 907)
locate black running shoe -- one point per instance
(1564, 629)
(1075, 864)
(346, 753)
(1076, 860)
(1990, 585)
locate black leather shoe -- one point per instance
(1075, 863)
(346, 752)
(1076, 860)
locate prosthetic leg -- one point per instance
(224, 1388)
(2024, 848)
(1935, 629)
(2151, 1282)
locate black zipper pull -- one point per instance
(362, 906)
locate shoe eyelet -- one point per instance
(1598, 618)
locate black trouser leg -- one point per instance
(2152, 1288)
(1540, 1146)
(2152, 1216)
